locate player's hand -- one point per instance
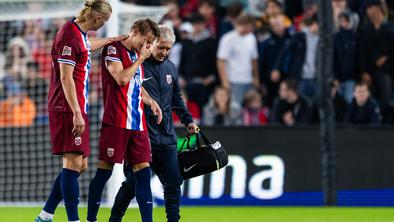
(146, 51)
(192, 128)
(156, 111)
(118, 38)
(79, 124)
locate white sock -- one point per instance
(74, 221)
(45, 215)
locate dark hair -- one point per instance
(196, 18)
(145, 26)
(234, 9)
(276, 2)
(291, 84)
(345, 15)
(310, 20)
(370, 3)
(244, 19)
(361, 84)
(211, 3)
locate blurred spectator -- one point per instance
(17, 56)
(197, 64)
(254, 113)
(188, 7)
(340, 104)
(298, 58)
(290, 108)
(341, 6)
(272, 8)
(185, 30)
(172, 18)
(364, 109)
(345, 56)
(207, 8)
(377, 52)
(193, 109)
(309, 10)
(36, 88)
(237, 59)
(232, 12)
(221, 110)
(17, 110)
(268, 54)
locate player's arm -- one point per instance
(147, 100)
(70, 92)
(123, 76)
(98, 43)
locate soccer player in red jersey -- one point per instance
(124, 134)
(68, 104)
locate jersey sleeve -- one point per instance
(112, 53)
(68, 51)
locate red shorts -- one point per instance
(62, 138)
(118, 144)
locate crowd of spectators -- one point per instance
(240, 62)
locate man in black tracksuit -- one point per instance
(161, 83)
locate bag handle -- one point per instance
(198, 135)
(187, 139)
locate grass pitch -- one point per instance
(224, 214)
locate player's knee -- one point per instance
(73, 162)
(105, 165)
(140, 166)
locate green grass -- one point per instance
(225, 214)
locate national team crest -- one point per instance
(111, 50)
(78, 140)
(110, 152)
(66, 50)
(169, 79)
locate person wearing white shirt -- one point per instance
(237, 59)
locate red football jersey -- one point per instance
(71, 46)
(123, 106)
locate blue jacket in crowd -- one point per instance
(161, 83)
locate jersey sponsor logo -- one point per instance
(189, 168)
(110, 152)
(66, 51)
(111, 50)
(169, 79)
(78, 140)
